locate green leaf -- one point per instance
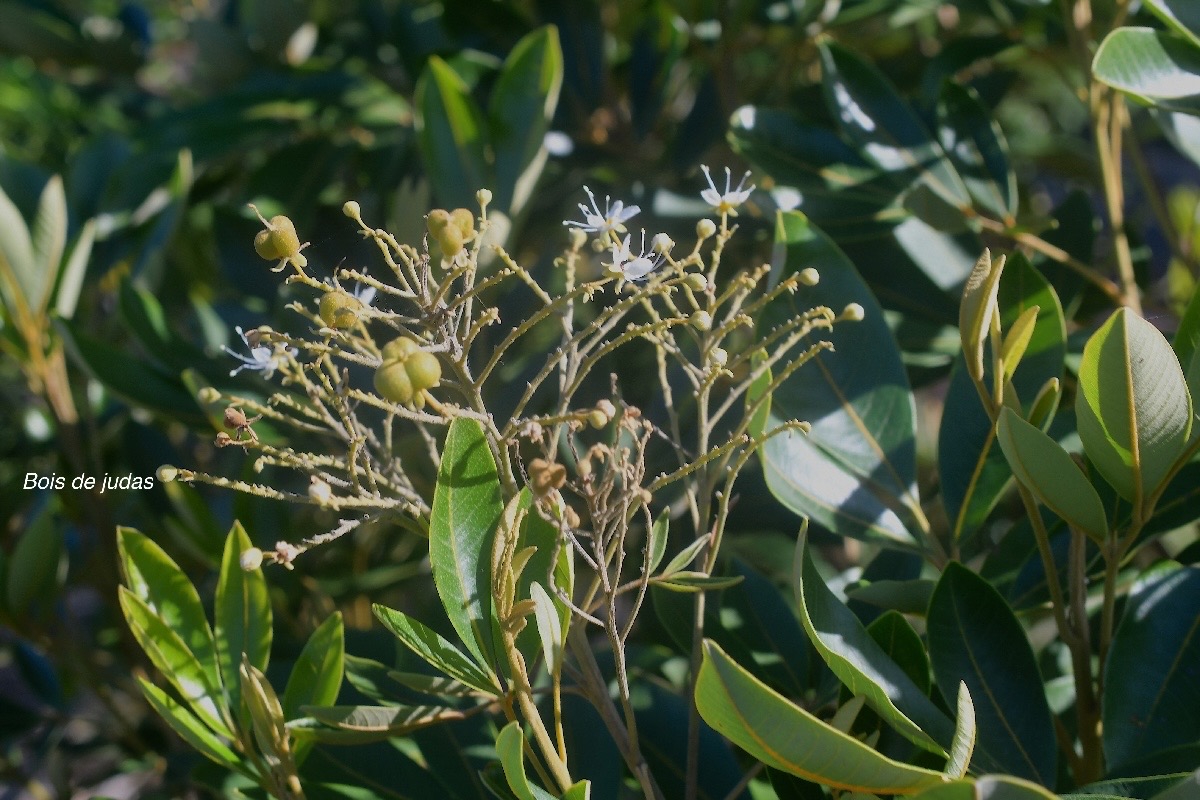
(759, 412)
(1187, 337)
(316, 676)
(901, 643)
(1150, 688)
(190, 729)
(35, 563)
(18, 268)
(657, 545)
(541, 534)
(451, 135)
(975, 638)
(466, 510)
(266, 713)
(973, 470)
(887, 131)
(1133, 407)
(1154, 67)
(156, 580)
(685, 556)
(509, 744)
(434, 649)
(49, 239)
(965, 732)
(1006, 787)
(1046, 470)
(1181, 15)
(549, 626)
(977, 310)
(975, 144)
(1016, 340)
(368, 723)
(855, 472)
(860, 663)
(70, 282)
(786, 737)
(907, 597)
(689, 582)
(519, 112)
(1186, 789)
(243, 616)
(170, 655)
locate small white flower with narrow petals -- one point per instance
(611, 220)
(728, 202)
(631, 267)
(262, 358)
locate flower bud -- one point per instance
(483, 197)
(319, 490)
(166, 473)
(719, 356)
(251, 559)
(352, 210)
(696, 282)
(208, 395)
(854, 313)
(661, 244)
(578, 238)
(705, 228)
(809, 276)
(545, 477)
(607, 408)
(223, 439)
(700, 320)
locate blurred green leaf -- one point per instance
(1149, 686)
(860, 663)
(49, 240)
(1133, 407)
(243, 616)
(70, 282)
(466, 511)
(975, 638)
(31, 577)
(19, 274)
(1155, 68)
(451, 134)
(855, 472)
(786, 737)
(316, 677)
(885, 129)
(975, 144)
(184, 723)
(1181, 15)
(357, 724)
(519, 113)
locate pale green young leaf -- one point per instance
(658, 540)
(190, 729)
(964, 735)
(49, 239)
(977, 309)
(1017, 339)
(509, 746)
(243, 616)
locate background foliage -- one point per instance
(898, 139)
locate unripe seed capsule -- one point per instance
(392, 382)
(424, 370)
(340, 310)
(437, 220)
(809, 276)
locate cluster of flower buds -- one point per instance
(407, 372)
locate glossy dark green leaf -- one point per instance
(1150, 687)
(786, 737)
(897, 638)
(886, 130)
(434, 649)
(855, 472)
(1185, 789)
(1187, 335)
(861, 664)
(451, 134)
(1133, 408)
(156, 579)
(243, 616)
(466, 510)
(1154, 67)
(655, 49)
(1047, 471)
(976, 146)
(975, 638)
(973, 470)
(907, 597)
(519, 112)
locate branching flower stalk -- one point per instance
(411, 348)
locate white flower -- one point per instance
(262, 358)
(731, 199)
(633, 267)
(364, 294)
(611, 220)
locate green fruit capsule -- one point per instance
(437, 221)
(450, 240)
(392, 383)
(279, 240)
(399, 349)
(464, 220)
(339, 310)
(424, 370)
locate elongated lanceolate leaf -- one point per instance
(466, 511)
(435, 650)
(19, 276)
(243, 616)
(451, 134)
(316, 676)
(974, 638)
(786, 737)
(189, 728)
(49, 233)
(1150, 687)
(1182, 15)
(1046, 470)
(964, 735)
(855, 472)
(1133, 406)
(861, 664)
(509, 746)
(972, 139)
